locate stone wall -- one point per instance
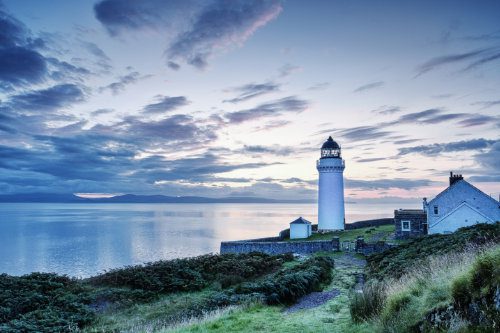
(371, 248)
(279, 247)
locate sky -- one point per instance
(234, 98)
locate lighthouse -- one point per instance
(330, 187)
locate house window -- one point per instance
(405, 225)
(436, 211)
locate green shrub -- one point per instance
(394, 262)
(289, 284)
(474, 293)
(191, 274)
(42, 302)
(397, 302)
(368, 303)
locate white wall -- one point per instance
(299, 230)
(331, 194)
(453, 197)
(462, 217)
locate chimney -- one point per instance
(454, 178)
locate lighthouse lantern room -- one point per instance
(331, 187)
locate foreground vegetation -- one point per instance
(436, 283)
(178, 289)
(431, 284)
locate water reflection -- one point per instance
(85, 239)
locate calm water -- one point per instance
(85, 239)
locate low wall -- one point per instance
(274, 247)
(371, 248)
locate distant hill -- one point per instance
(132, 198)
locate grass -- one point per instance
(382, 233)
(395, 262)
(179, 309)
(333, 316)
(432, 283)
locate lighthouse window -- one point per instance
(405, 226)
(436, 211)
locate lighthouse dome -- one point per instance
(330, 144)
(330, 149)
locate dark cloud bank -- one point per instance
(213, 24)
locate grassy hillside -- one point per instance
(394, 262)
(436, 283)
(431, 284)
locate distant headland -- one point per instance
(133, 198)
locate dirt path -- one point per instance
(313, 300)
(316, 299)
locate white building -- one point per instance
(331, 187)
(460, 205)
(300, 228)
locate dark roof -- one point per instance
(330, 144)
(462, 181)
(300, 220)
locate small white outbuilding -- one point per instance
(300, 228)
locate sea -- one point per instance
(82, 240)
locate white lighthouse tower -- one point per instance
(330, 187)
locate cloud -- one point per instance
(20, 63)
(103, 60)
(214, 26)
(99, 112)
(487, 104)
(252, 90)
(50, 99)
(319, 86)
(287, 70)
(440, 148)
(166, 104)
(123, 81)
(177, 128)
(374, 159)
(369, 86)
(275, 150)
(492, 36)
(65, 70)
(484, 60)
(20, 66)
(442, 96)
(221, 25)
(270, 109)
(377, 184)
(273, 124)
(360, 133)
(381, 130)
(387, 109)
(476, 58)
(478, 120)
(429, 116)
(490, 159)
(485, 178)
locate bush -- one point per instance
(395, 262)
(475, 293)
(42, 302)
(289, 284)
(368, 303)
(191, 274)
